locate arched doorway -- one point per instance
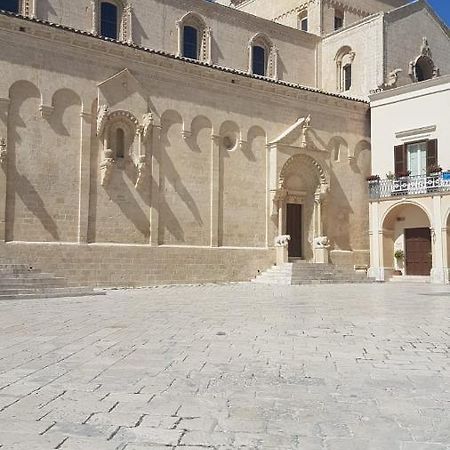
(407, 240)
(303, 187)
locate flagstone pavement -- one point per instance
(239, 366)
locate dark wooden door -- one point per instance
(418, 251)
(294, 229)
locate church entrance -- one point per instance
(294, 229)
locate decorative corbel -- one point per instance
(3, 151)
(305, 131)
(46, 111)
(106, 167)
(102, 117)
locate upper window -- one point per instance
(424, 68)
(344, 68)
(10, 5)
(259, 60)
(347, 77)
(303, 21)
(109, 20)
(338, 19)
(120, 143)
(263, 56)
(194, 37)
(190, 42)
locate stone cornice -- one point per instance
(82, 39)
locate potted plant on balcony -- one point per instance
(399, 256)
(434, 170)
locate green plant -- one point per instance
(399, 254)
(390, 176)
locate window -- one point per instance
(10, 5)
(190, 42)
(424, 68)
(338, 19)
(120, 143)
(347, 75)
(194, 37)
(109, 15)
(417, 158)
(259, 61)
(303, 21)
(344, 66)
(263, 56)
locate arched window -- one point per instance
(10, 5)
(338, 19)
(263, 57)
(259, 61)
(303, 21)
(120, 143)
(424, 69)
(347, 77)
(194, 38)
(109, 20)
(344, 68)
(190, 42)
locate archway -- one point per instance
(303, 184)
(407, 240)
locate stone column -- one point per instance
(437, 271)
(84, 176)
(4, 107)
(215, 190)
(445, 253)
(318, 227)
(155, 182)
(376, 269)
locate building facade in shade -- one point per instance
(410, 189)
(173, 141)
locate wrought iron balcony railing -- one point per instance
(412, 185)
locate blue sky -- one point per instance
(442, 7)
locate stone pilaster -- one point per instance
(84, 176)
(4, 106)
(215, 190)
(155, 185)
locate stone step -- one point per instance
(302, 272)
(410, 279)
(22, 294)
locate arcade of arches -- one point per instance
(410, 237)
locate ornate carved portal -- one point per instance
(304, 182)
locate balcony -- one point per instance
(408, 186)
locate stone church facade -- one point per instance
(172, 141)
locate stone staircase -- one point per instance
(302, 272)
(19, 281)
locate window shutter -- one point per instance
(400, 159)
(432, 153)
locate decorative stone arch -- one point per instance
(405, 203)
(293, 160)
(196, 21)
(304, 181)
(344, 59)
(125, 19)
(271, 52)
(423, 67)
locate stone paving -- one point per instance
(229, 367)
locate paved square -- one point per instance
(237, 366)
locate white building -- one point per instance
(410, 204)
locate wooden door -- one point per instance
(294, 229)
(418, 251)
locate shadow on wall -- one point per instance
(119, 192)
(361, 163)
(46, 11)
(167, 219)
(338, 213)
(20, 93)
(139, 33)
